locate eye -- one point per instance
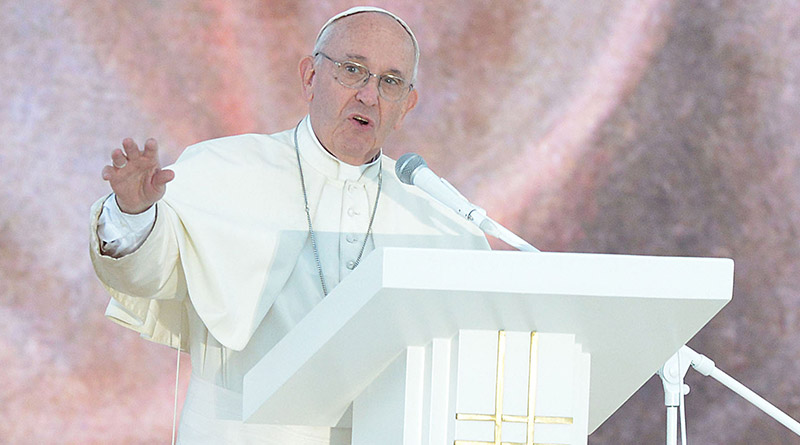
(351, 68)
(393, 81)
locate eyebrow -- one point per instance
(362, 59)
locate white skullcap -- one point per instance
(360, 9)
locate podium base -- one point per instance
(480, 387)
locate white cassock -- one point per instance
(228, 267)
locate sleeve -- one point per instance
(122, 233)
(151, 271)
(147, 286)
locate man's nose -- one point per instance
(368, 93)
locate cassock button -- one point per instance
(352, 212)
(351, 265)
(351, 238)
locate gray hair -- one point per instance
(322, 36)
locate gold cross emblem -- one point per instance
(498, 417)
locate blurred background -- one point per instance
(654, 127)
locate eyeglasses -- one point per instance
(355, 75)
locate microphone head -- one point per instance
(407, 165)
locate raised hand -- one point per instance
(136, 176)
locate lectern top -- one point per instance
(631, 313)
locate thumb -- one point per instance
(161, 177)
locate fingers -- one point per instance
(107, 172)
(151, 148)
(118, 159)
(131, 149)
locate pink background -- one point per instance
(659, 127)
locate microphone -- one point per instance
(411, 169)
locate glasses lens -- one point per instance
(392, 87)
(352, 74)
(355, 75)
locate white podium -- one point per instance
(479, 347)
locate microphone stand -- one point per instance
(675, 369)
(491, 227)
(478, 216)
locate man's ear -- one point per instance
(411, 102)
(307, 77)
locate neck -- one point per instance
(351, 161)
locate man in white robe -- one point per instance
(239, 247)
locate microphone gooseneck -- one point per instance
(411, 169)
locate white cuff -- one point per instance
(121, 233)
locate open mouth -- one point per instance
(363, 121)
